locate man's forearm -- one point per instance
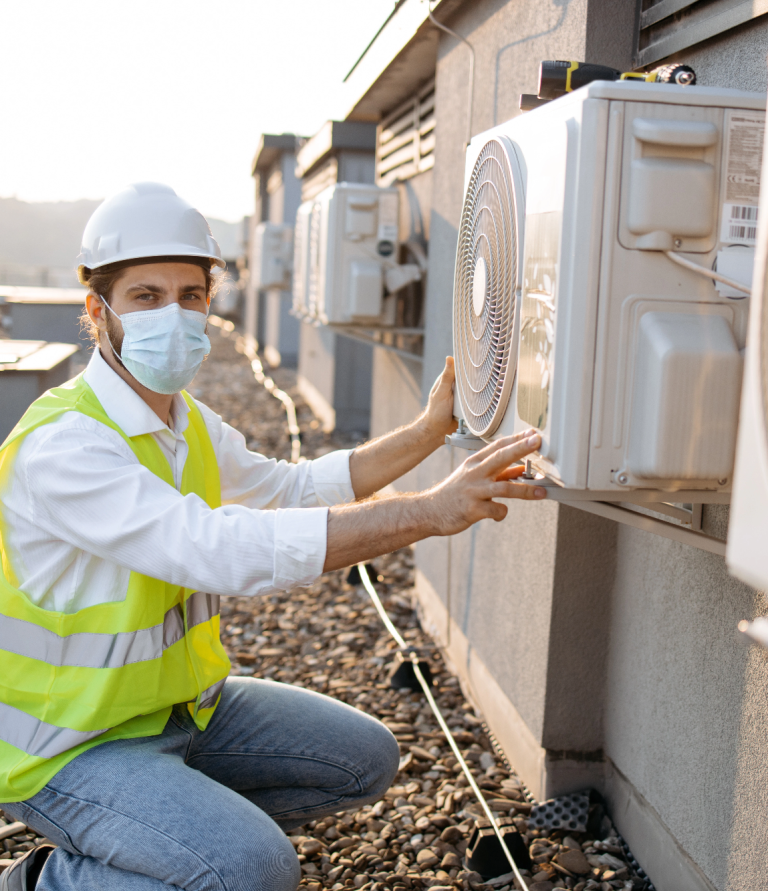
(361, 531)
(376, 464)
(368, 529)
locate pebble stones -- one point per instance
(329, 638)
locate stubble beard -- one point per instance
(115, 335)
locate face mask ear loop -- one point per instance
(109, 339)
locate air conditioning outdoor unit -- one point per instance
(746, 554)
(572, 314)
(273, 255)
(345, 256)
(301, 259)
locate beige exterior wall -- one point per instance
(600, 654)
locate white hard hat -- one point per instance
(143, 221)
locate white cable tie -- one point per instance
(708, 273)
(372, 593)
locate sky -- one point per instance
(99, 93)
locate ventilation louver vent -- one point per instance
(485, 290)
(669, 26)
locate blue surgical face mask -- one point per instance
(163, 348)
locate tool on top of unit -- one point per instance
(556, 78)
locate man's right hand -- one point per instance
(466, 496)
(367, 529)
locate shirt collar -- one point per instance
(125, 407)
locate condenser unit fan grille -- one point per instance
(484, 290)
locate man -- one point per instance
(122, 738)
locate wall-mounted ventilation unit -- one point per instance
(273, 255)
(568, 315)
(346, 247)
(747, 555)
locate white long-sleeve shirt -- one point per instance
(80, 512)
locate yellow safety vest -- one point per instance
(111, 671)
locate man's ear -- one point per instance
(96, 311)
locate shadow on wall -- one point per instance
(563, 4)
(438, 310)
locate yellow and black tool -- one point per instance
(556, 78)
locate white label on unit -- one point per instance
(388, 206)
(744, 153)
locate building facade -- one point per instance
(601, 654)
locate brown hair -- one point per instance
(102, 281)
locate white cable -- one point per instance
(441, 721)
(471, 65)
(249, 351)
(708, 273)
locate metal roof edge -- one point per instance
(271, 145)
(402, 26)
(351, 135)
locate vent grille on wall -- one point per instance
(405, 141)
(668, 26)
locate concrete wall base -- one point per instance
(321, 408)
(548, 774)
(649, 839)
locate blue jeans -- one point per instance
(205, 811)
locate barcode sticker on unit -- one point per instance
(743, 157)
(739, 223)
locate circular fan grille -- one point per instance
(484, 290)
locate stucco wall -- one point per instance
(501, 575)
(686, 719)
(607, 641)
(396, 399)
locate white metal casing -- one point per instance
(608, 173)
(301, 259)
(273, 255)
(747, 555)
(352, 241)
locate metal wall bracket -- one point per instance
(629, 515)
(465, 441)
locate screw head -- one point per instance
(722, 482)
(623, 479)
(678, 242)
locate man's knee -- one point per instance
(264, 860)
(278, 870)
(384, 760)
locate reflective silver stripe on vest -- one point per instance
(209, 696)
(201, 607)
(37, 738)
(93, 650)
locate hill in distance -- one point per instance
(46, 235)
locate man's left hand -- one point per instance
(438, 416)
